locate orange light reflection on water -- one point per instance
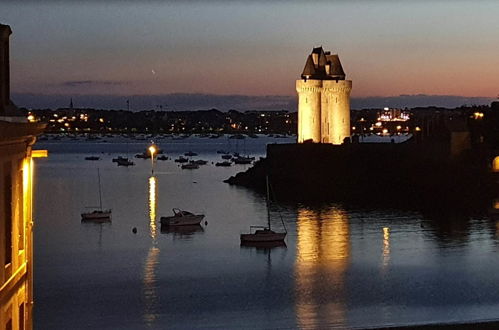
(152, 207)
(323, 249)
(151, 309)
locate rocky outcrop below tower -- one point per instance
(408, 175)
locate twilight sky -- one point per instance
(253, 48)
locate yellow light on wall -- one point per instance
(495, 164)
(39, 153)
(417, 129)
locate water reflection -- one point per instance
(386, 246)
(152, 207)
(151, 308)
(450, 229)
(323, 249)
(181, 231)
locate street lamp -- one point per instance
(152, 150)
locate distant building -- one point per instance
(323, 100)
(389, 114)
(17, 137)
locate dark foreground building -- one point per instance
(17, 137)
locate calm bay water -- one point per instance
(341, 267)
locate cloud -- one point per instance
(79, 83)
(170, 102)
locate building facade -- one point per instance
(323, 100)
(17, 137)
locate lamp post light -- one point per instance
(152, 150)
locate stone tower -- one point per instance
(323, 100)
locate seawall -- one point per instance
(412, 174)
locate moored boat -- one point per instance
(264, 234)
(190, 166)
(182, 218)
(98, 214)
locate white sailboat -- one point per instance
(262, 234)
(98, 214)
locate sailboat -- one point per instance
(264, 234)
(98, 214)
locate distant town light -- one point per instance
(31, 118)
(478, 115)
(417, 129)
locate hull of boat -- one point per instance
(263, 245)
(267, 237)
(182, 221)
(96, 216)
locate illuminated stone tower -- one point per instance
(323, 100)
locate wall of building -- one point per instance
(15, 234)
(337, 110)
(309, 110)
(323, 110)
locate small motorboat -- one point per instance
(199, 162)
(162, 157)
(181, 159)
(124, 162)
(242, 160)
(227, 156)
(182, 218)
(97, 216)
(190, 153)
(225, 163)
(92, 158)
(190, 166)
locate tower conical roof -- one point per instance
(309, 69)
(318, 71)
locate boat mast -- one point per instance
(100, 193)
(268, 199)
